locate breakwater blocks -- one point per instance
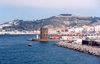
(82, 48)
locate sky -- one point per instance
(40, 9)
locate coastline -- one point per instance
(81, 48)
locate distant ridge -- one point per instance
(55, 22)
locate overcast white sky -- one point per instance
(51, 3)
(37, 9)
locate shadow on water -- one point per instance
(43, 42)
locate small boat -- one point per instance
(30, 44)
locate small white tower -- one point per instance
(37, 36)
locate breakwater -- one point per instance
(82, 48)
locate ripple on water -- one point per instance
(14, 50)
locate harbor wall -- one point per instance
(82, 48)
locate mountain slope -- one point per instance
(59, 22)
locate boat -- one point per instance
(30, 44)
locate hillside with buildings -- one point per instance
(61, 22)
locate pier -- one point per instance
(82, 48)
(43, 36)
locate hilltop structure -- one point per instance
(59, 23)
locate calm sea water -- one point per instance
(14, 50)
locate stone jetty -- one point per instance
(82, 48)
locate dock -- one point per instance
(44, 39)
(44, 36)
(82, 48)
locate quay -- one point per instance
(44, 40)
(44, 36)
(79, 47)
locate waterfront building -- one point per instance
(43, 33)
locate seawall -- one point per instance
(82, 48)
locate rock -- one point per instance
(82, 48)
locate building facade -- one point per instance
(43, 33)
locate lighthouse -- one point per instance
(37, 36)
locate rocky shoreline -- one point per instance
(82, 48)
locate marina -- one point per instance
(86, 44)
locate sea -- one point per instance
(14, 49)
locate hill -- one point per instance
(55, 22)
